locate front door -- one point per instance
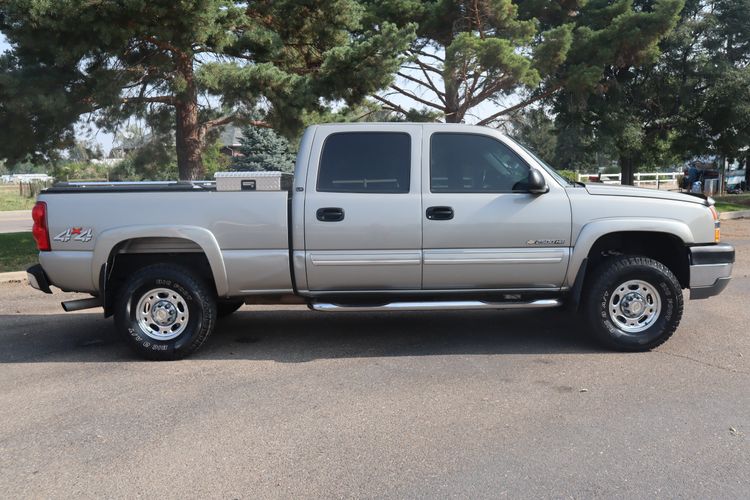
(480, 229)
(363, 228)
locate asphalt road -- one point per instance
(284, 402)
(15, 221)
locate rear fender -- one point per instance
(108, 240)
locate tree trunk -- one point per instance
(627, 170)
(189, 135)
(452, 104)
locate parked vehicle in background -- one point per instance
(700, 180)
(736, 181)
(381, 217)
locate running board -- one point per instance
(453, 305)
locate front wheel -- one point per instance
(633, 303)
(165, 312)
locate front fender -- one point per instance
(109, 239)
(594, 230)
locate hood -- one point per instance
(617, 190)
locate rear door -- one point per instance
(363, 227)
(480, 229)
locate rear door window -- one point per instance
(365, 162)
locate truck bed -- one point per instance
(248, 229)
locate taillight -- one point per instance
(39, 229)
(717, 224)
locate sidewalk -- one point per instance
(739, 214)
(13, 277)
(15, 221)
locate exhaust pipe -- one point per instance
(80, 304)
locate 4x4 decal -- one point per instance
(76, 234)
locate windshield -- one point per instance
(559, 178)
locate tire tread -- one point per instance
(606, 273)
(200, 290)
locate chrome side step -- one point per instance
(452, 305)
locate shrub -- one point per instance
(79, 171)
(569, 174)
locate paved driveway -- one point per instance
(15, 221)
(284, 402)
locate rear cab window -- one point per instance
(365, 162)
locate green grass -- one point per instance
(17, 252)
(732, 202)
(736, 199)
(722, 206)
(11, 200)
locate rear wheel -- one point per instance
(633, 303)
(165, 312)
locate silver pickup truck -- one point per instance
(393, 216)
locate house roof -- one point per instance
(231, 135)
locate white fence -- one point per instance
(644, 179)
(24, 178)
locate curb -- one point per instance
(739, 214)
(18, 276)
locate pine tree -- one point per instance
(535, 129)
(200, 65)
(469, 52)
(691, 98)
(264, 150)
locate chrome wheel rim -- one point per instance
(634, 306)
(162, 314)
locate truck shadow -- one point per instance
(296, 335)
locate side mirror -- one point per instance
(536, 183)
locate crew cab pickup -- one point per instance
(392, 216)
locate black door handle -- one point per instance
(440, 213)
(330, 214)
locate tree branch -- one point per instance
(428, 84)
(163, 45)
(424, 67)
(218, 122)
(393, 106)
(487, 91)
(164, 99)
(520, 105)
(426, 54)
(417, 98)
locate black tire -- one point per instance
(226, 307)
(186, 292)
(604, 309)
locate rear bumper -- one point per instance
(71, 271)
(38, 278)
(710, 270)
